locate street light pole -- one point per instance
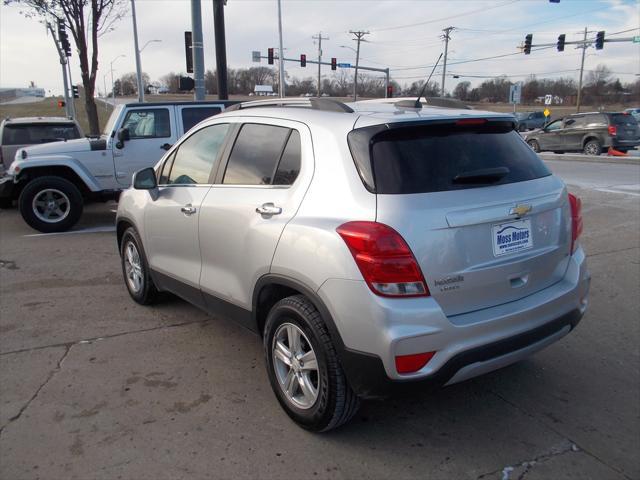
(584, 49)
(135, 44)
(113, 90)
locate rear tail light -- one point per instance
(412, 363)
(576, 220)
(613, 130)
(384, 259)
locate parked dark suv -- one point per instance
(587, 132)
(530, 120)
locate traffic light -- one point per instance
(334, 63)
(185, 84)
(389, 91)
(303, 60)
(61, 104)
(75, 91)
(188, 51)
(527, 43)
(600, 40)
(63, 38)
(270, 56)
(560, 44)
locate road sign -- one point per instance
(344, 65)
(515, 93)
(255, 56)
(547, 112)
(636, 39)
(548, 99)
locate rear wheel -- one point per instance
(50, 204)
(592, 147)
(303, 367)
(535, 146)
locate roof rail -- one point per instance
(323, 104)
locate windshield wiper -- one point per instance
(483, 175)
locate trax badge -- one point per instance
(520, 210)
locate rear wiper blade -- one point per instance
(483, 175)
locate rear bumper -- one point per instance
(7, 187)
(625, 143)
(374, 330)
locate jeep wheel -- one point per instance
(50, 204)
(303, 367)
(135, 269)
(535, 146)
(592, 147)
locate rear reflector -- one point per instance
(384, 259)
(576, 220)
(412, 363)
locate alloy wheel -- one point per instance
(51, 205)
(133, 267)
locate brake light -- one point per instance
(384, 259)
(412, 363)
(472, 121)
(613, 130)
(576, 220)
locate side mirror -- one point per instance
(123, 136)
(145, 179)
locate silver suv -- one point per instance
(372, 246)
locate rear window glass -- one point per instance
(623, 119)
(193, 116)
(40, 133)
(436, 158)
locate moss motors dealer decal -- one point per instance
(511, 237)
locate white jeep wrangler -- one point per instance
(52, 182)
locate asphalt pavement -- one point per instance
(94, 386)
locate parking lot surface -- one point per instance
(94, 386)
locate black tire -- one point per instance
(592, 147)
(559, 153)
(61, 190)
(147, 294)
(535, 146)
(336, 402)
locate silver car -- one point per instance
(372, 246)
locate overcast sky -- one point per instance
(404, 36)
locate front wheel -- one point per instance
(50, 204)
(535, 146)
(135, 269)
(303, 367)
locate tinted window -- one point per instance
(623, 119)
(163, 178)
(192, 116)
(557, 125)
(422, 158)
(255, 155)
(195, 156)
(148, 123)
(578, 121)
(289, 165)
(595, 120)
(39, 133)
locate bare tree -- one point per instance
(87, 20)
(461, 91)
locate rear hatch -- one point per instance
(484, 217)
(626, 126)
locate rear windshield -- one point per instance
(437, 158)
(623, 119)
(38, 133)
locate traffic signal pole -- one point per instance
(198, 50)
(281, 54)
(221, 48)
(63, 64)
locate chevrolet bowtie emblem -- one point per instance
(520, 210)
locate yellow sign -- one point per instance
(547, 112)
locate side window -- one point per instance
(195, 156)
(148, 123)
(289, 166)
(595, 120)
(163, 178)
(557, 125)
(191, 116)
(255, 154)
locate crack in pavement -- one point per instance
(52, 374)
(104, 337)
(557, 432)
(612, 251)
(527, 465)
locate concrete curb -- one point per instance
(569, 157)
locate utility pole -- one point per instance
(584, 49)
(72, 100)
(319, 38)
(446, 37)
(221, 48)
(359, 34)
(135, 45)
(281, 54)
(63, 63)
(198, 50)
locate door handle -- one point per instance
(166, 146)
(188, 209)
(268, 209)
